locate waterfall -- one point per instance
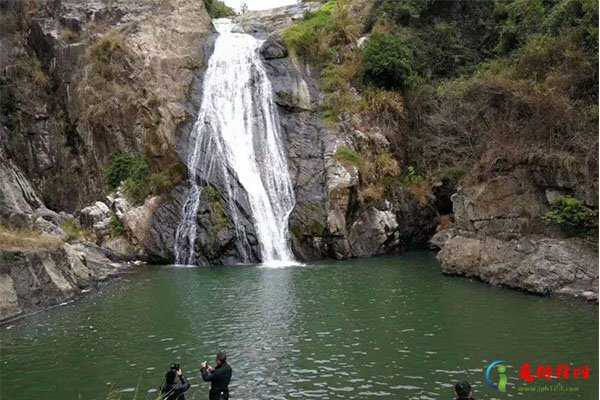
(237, 137)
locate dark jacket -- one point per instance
(219, 381)
(175, 391)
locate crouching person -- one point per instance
(172, 390)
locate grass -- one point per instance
(69, 36)
(14, 239)
(347, 156)
(109, 56)
(378, 172)
(315, 37)
(74, 231)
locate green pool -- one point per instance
(387, 327)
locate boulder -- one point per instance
(440, 238)
(118, 203)
(274, 47)
(92, 215)
(373, 233)
(48, 227)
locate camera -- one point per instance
(175, 367)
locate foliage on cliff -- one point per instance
(218, 9)
(572, 215)
(134, 173)
(475, 86)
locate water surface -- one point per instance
(387, 327)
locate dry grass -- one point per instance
(422, 191)
(379, 173)
(445, 222)
(12, 239)
(371, 193)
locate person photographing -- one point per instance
(219, 377)
(171, 390)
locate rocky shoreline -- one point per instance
(498, 236)
(33, 281)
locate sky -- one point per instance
(259, 4)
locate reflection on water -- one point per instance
(390, 327)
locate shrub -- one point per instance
(386, 165)
(133, 172)
(109, 56)
(387, 63)
(69, 36)
(137, 190)
(411, 176)
(314, 37)
(218, 9)
(307, 37)
(124, 167)
(117, 228)
(572, 215)
(30, 70)
(383, 106)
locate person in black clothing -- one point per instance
(171, 390)
(218, 377)
(463, 391)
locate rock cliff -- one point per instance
(499, 237)
(80, 82)
(330, 220)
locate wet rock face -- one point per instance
(274, 47)
(499, 238)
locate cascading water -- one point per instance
(237, 136)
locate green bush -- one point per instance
(117, 228)
(127, 167)
(218, 9)
(387, 62)
(306, 37)
(315, 37)
(133, 172)
(9, 106)
(411, 176)
(572, 215)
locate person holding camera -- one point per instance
(219, 377)
(171, 390)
